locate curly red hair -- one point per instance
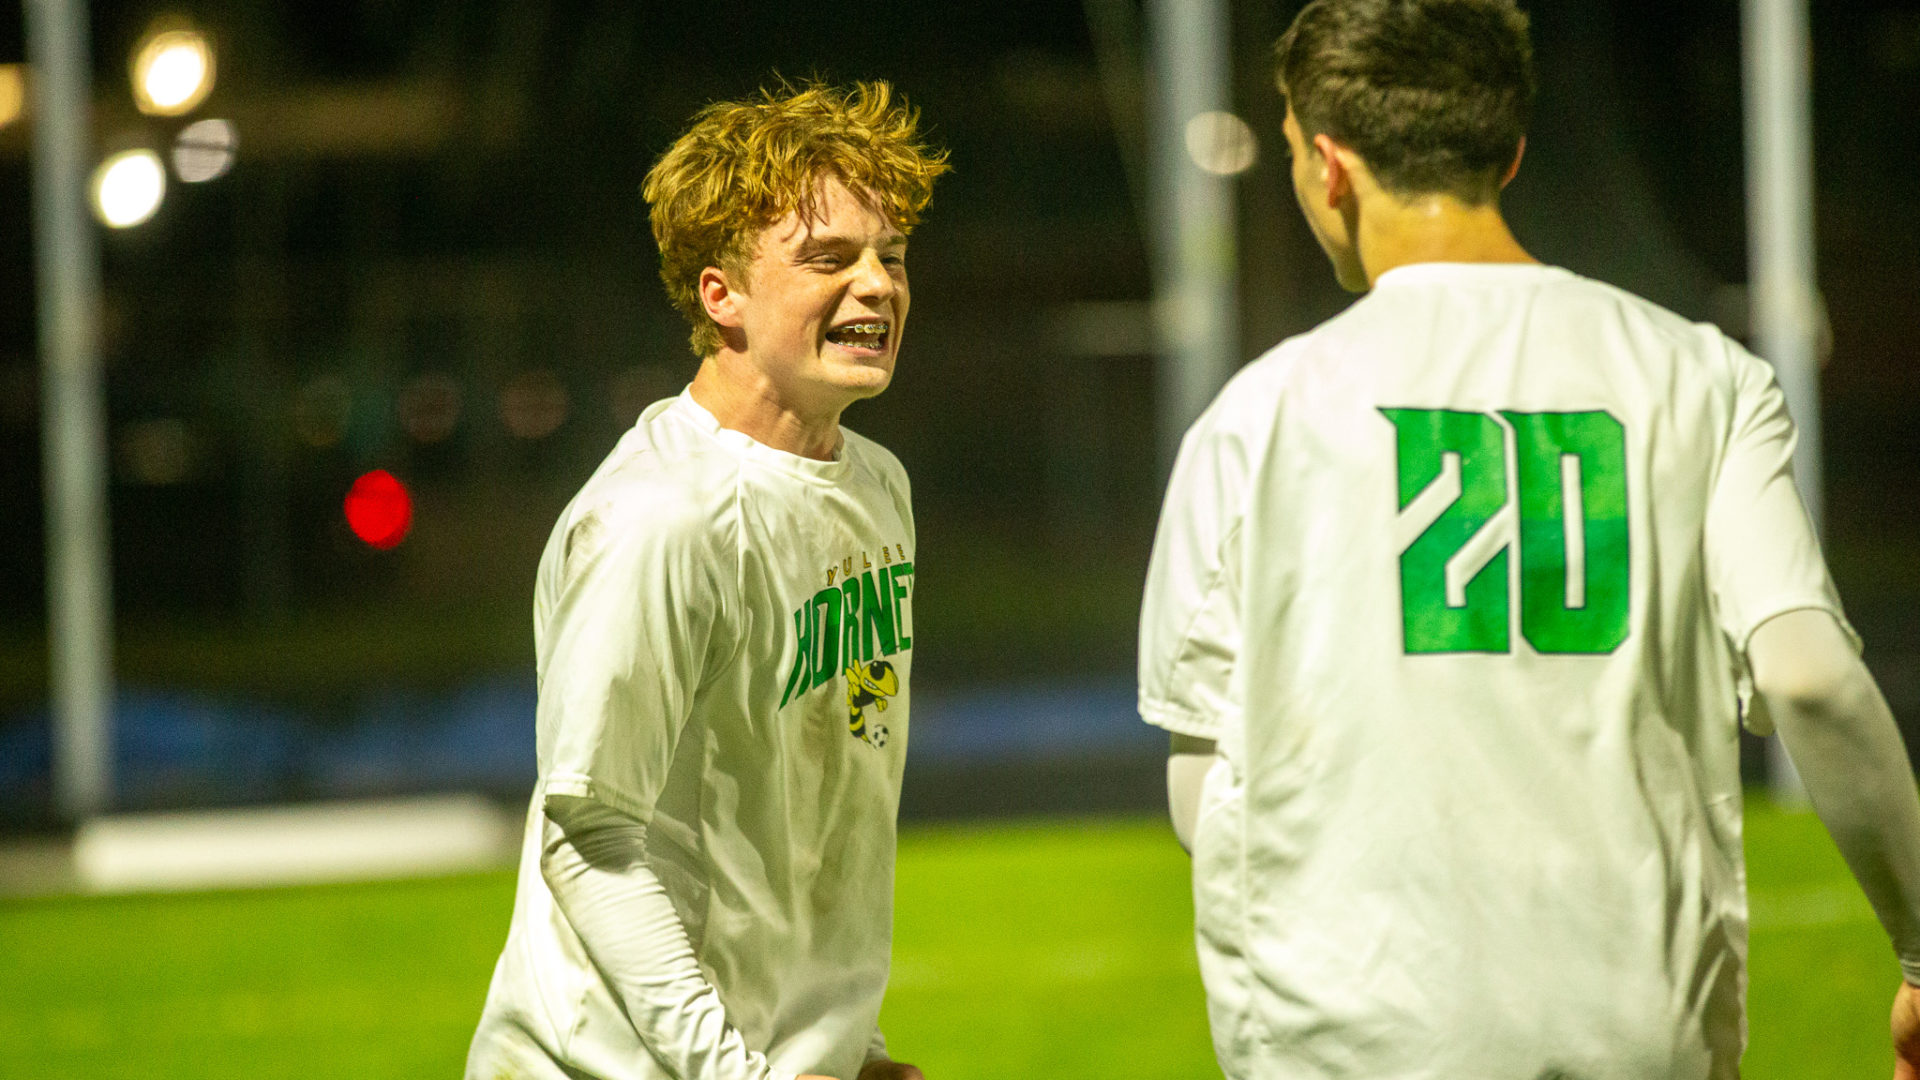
(745, 164)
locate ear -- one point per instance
(719, 297)
(1335, 173)
(1513, 166)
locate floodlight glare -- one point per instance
(1221, 143)
(128, 187)
(13, 92)
(172, 72)
(204, 150)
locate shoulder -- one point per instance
(656, 492)
(1249, 402)
(877, 461)
(1702, 337)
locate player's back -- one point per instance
(1486, 820)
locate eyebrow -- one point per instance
(816, 242)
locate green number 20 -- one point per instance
(1570, 478)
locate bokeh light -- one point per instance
(13, 92)
(429, 407)
(204, 150)
(1221, 143)
(128, 187)
(172, 72)
(379, 509)
(533, 404)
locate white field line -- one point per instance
(293, 844)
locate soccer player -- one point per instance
(723, 623)
(1451, 608)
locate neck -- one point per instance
(742, 398)
(1434, 228)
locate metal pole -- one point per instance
(73, 412)
(1780, 260)
(1196, 306)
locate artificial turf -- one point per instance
(1054, 949)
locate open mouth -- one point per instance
(868, 334)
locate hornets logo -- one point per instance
(869, 685)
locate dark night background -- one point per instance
(436, 204)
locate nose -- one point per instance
(871, 280)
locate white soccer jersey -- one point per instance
(724, 636)
(1461, 582)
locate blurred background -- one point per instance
(406, 240)
(408, 237)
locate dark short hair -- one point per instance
(1435, 95)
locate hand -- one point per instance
(1906, 1033)
(896, 1070)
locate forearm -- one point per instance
(1854, 764)
(595, 865)
(1188, 760)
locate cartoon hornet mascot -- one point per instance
(870, 683)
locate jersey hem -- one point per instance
(1177, 720)
(579, 786)
(1786, 605)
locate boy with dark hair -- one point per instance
(1452, 607)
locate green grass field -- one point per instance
(1056, 949)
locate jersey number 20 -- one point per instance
(1570, 484)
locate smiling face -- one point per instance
(819, 312)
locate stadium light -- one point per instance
(13, 92)
(204, 150)
(1221, 143)
(128, 187)
(172, 71)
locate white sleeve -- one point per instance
(1852, 760)
(1186, 780)
(640, 617)
(1762, 556)
(1190, 611)
(594, 861)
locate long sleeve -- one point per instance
(594, 861)
(1852, 760)
(1187, 765)
(645, 611)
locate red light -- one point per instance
(379, 510)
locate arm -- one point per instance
(1190, 610)
(1777, 604)
(1188, 759)
(594, 860)
(638, 620)
(1854, 763)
